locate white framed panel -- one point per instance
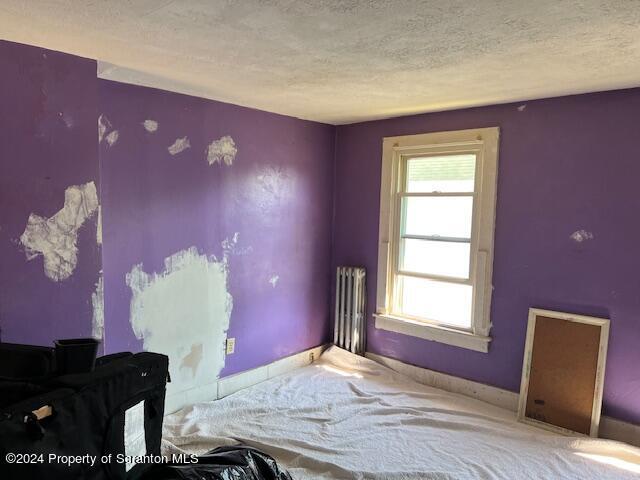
(603, 323)
(483, 143)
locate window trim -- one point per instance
(484, 143)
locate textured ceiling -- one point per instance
(344, 61)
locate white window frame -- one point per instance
(482, 142)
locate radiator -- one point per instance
(350, 319)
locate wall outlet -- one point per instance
(231, 345)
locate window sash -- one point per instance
(398, 295)
(436, 238)
(400, 214)
(438, 151)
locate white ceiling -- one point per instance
(345, 61)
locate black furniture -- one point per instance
(81, 425)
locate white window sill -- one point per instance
(437, 333)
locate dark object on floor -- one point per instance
(25, 361)
(224, 463)
(24, 369)
(14, 391)
(115, 410)
(76, 355)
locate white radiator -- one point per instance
(350, 324)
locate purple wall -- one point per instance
(277, 195)
(47, 143)
(566, 164)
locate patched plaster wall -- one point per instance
(184, 312)
(158, 221)
(216, 224)
(49, 194)
(231, 236)
(56, 238)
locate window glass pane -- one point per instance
(442, 173)
(450, 259)
(443, 216)
(441, 302)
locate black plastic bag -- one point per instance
(224, 463)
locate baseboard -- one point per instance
(231, 384)
(615, 429)
(610, 428)
(201, 393)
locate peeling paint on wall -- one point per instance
(580, 236)
(150, 125)
(522, 107)
(55, 238)
(274, 280)
(184, 312)
(97, 302)
(179, 145)
(222, 150)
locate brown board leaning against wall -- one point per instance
(563, 371)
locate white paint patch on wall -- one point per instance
(112, 138)
(97, 302)
(274, 280)
(580, 236)
(184, 313)
(150, 125)
(522, 107)
(55, 238)
(67, 119)
(222, 150)
(229, 245)
(271, 187)
(103, 125)
(99, 226)
(179, 145)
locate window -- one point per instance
(437, 208)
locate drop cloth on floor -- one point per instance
(347, 417)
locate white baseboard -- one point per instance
(228, 385)
(610, 428)
(201, 393)
(615, 429)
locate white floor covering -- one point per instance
(347, 417)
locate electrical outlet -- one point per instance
(231, 345)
